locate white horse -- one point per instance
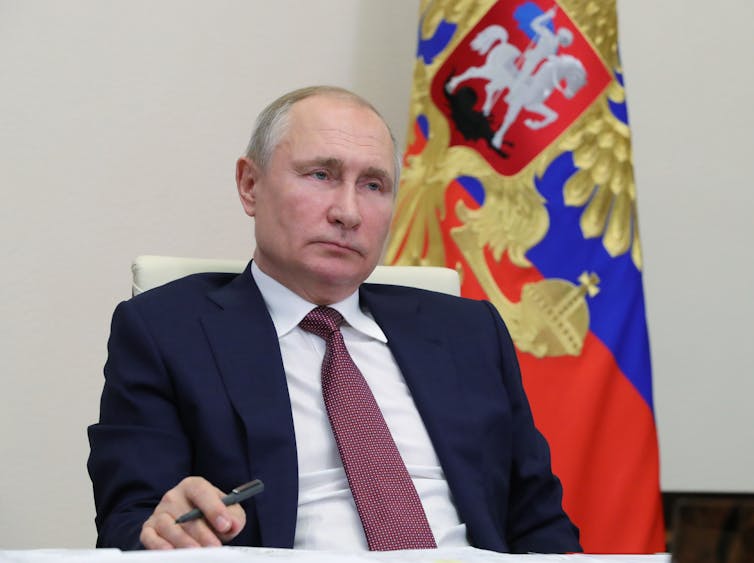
(499, 68)
(532, 93)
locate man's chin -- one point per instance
(349, 273)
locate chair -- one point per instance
(152, 271)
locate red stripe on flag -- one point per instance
(588, 410)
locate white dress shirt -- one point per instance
(327, 516)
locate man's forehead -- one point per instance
(345, 121)
(330, 139)
(338, 112)
(330, 126)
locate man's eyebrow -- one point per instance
(323, 161)
(375, 172)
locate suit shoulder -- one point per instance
(423, 296)
(442, 308)
(185, 293)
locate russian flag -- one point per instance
(546, 229)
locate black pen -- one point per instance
(240, 493)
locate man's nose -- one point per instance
(344, 208)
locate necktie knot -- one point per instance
(322, 321)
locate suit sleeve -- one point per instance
(138, 448)
(536, 521)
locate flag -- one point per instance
(518, 174)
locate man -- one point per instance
(213, 380)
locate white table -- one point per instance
(267, 555)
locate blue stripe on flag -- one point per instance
(617, 313)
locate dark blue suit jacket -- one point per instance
(194, 385)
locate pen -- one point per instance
(240, 493)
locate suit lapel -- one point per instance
(422, 351)
(246, 349)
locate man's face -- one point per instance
(323, 205)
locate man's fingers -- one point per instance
(150, 540)
(200, 533)
(206, 497)
(192, 534)
(158, 533)
(238, 521)
(219, 524)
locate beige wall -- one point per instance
(690, 91)
(119, 126)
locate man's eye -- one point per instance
(319, 175)
(374, 186)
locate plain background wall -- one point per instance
(119, 126)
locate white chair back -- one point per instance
(151, 271)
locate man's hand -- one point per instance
(220, 523)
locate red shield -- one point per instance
(475, 120)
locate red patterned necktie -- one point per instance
(385, 497)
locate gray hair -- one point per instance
(272, 123)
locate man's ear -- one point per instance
(247, 175)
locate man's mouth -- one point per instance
(341, 245)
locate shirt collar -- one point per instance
(287, 308)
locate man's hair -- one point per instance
(272, 123)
